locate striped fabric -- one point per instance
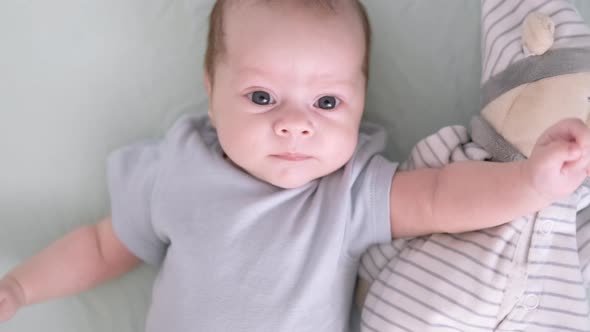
(528, 275)
(502, 28)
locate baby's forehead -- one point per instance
(302, 11)
(306, 6)
(238, 25)
(283, 24)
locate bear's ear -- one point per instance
(514, 30)
(538, 34)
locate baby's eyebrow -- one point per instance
(343, 87)
(320, 79)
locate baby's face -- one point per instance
(288, 94)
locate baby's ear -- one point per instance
(211, 117)
(207, 82)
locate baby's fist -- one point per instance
(11, 298)
(560, 159)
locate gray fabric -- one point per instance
(499, 149)
(553, 63)
(583, 238)
(236, 253)
(485, 136)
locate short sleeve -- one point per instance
(132, 173)
(371, 176)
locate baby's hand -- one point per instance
(11, 298)
(560, 160)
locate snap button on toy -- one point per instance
(531, 302)
(547, 227)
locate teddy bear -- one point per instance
(531, 274)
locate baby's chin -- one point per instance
(290, 182)
(298, 176)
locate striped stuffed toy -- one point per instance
(530, 274)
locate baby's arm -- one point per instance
(471, 195)
(80, 260)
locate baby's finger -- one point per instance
(571, 130)
(559, 155)
(578, 131)
(580, 164)
(563, 151)
(5, 311)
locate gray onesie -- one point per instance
(238, 254)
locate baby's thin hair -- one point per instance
(215, 38)
(323, 4)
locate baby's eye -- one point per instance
(327, 102)
(261, 98)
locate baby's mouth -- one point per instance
(291, 156)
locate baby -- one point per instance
(257, 214)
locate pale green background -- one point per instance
(80, 78)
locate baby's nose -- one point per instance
(293, 128)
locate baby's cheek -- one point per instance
(343, 149)
(246, 143)
(237, 145)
